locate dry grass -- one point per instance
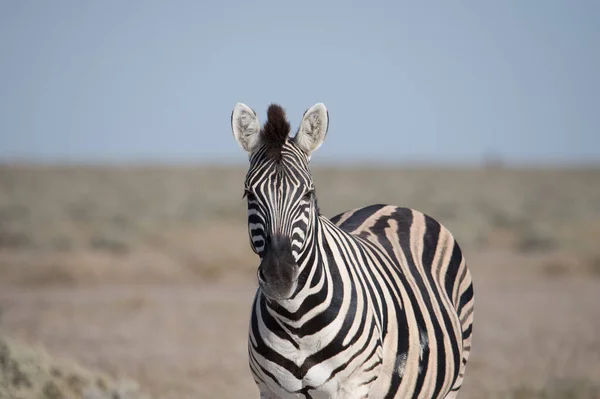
(560, 389)
(185, 219)
(147, 272)
(30, 373)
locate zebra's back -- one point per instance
(431, 336)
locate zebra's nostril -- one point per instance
(261, 274)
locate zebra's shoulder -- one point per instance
(357, 219)
(377, 216)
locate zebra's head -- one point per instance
(279, 190)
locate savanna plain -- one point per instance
(136, 281)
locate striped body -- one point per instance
(401, 325)
(376, 302)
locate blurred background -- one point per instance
(125, 269)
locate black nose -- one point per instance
(279, 244)
(278, 270)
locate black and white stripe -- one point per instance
(376, 302)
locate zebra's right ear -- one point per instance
(246, 128)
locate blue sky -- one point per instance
(403, 81)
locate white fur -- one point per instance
(313, 128)
(246, 128)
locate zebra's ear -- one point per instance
(246, 128)
(313, 128)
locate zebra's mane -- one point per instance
(275, 131)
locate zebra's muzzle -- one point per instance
(278, 272)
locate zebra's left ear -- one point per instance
(313, 129)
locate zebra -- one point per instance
(376, 302)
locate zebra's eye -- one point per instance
(308, 195)
(248, 194)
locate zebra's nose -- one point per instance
(280, 243)
(277, 272)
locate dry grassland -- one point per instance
(145, 274)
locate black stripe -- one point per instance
(359, 217)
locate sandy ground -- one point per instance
(147, 273)
(189, 341)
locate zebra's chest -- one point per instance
(315, 380)
(307, 368)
